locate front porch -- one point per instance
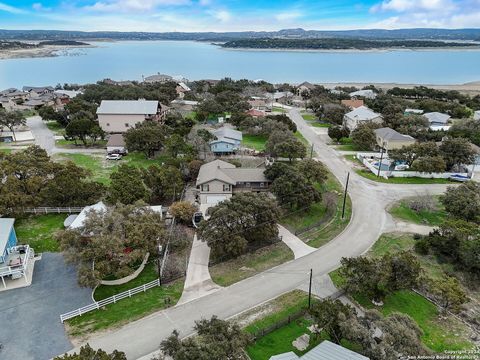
(17, 269)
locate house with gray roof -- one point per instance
(227, 141)
(218, 180)
(325, 351)
(437, 118)
(361, 115)
(157, 78)
(389, 139)
(117, 116)
(367, 94)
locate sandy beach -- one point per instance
(44, 51)
(472, 88)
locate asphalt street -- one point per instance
(369, 221)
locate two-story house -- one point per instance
(117, 116)
(218, 180)
(361, 115)
(227, 141)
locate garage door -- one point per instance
(215, 199)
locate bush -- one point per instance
(183, 211)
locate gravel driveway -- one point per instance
(30, 317)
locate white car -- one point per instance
(113, 157)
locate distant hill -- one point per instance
(409, 34)
(342, 44)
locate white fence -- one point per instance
(54, 210)
(111, 300)
(369, 159)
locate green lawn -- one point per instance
(8, 151)
(148, 274)
(38, 230)
(309, 117)
(55, 127)
(280, 340)
(398, 180)
(319, 124)
(126, 310)
(440, 332)
(72, 144)
(326, 231)
(346, 147)
(256, 142)
(229, 272)
(278, 109)
(102, 168)
(402, 210)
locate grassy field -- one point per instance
(232, 271)
(279, 341)
(325, 232)
(398, 180)
(440, 332)
(55, 127)
(402, 210)
(278, 109)
(38, 231)
(319, 124)
(71, 144)
(102, 168)
(346, 147)
(256, 142)
(309, 117)
(126, 310)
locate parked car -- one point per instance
(113, 157)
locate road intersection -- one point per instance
(369, 220)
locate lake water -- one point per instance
(129, 60)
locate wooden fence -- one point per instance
(54, 210)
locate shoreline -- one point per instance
(472, 87)
(41, 52)
(376, 50)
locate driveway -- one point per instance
(198, 282)
(30, 317)
(369, 221)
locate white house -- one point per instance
(361, 115)
(476, 115)
(368, 94)
(438, 121)
(324, 351)
(117, 116)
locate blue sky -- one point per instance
(236, 15)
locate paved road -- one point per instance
(45, 138)
(30, 324)
(369, 221)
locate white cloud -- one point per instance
(409, 5)
(221, 15)
(11, 9)
(288, 15)
(39, 7)
(133, 5)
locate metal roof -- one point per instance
(6, 225)
(330, 351)
(436, 117)
(389, 134)
(228, 133)
(285, 356)
(129, 107)
(362, 113)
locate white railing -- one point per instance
(19, 269)
(53, 210)
(111, 300)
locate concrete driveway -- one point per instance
(29, 317)
(369, 221)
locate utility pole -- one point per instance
(380, 164)
(345, 196)
(159, 248)
(310, 289)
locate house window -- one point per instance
(262, 184)
(108, 124)
(126, 125)
(205, 188)
(227, 187)
(247, 184)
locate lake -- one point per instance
(129, 60)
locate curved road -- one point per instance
(369, 221)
